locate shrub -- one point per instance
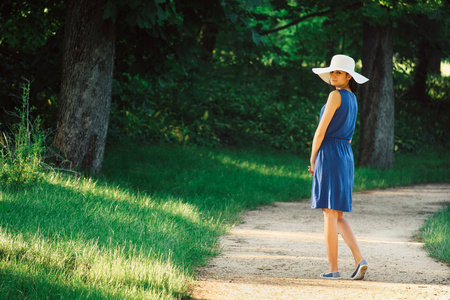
(22, 149)
(219, 109)
(420, 122)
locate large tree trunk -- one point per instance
(376, 147)
(86, 84)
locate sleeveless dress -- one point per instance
(334, 166)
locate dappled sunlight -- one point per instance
(87, 259)
(302, 236)
(277, 234)
(106, 236)
(263, 169)
(125, 205)
(258, 248)
(283, 257)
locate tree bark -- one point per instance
(428, 61)
(86, 84)
(434, 63)
(376, 147)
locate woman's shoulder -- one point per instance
(340, 93)
(335, 98)
(343, 94)
(335, 93)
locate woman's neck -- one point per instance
(347, 88)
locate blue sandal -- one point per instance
(332, 275)
(360, 270)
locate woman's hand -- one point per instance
(311, 170)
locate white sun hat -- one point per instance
(340, 63)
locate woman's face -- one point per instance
(339, 79)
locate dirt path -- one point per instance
(279, 252)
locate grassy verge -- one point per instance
(431, 165)
(140, 230)
(436, 234)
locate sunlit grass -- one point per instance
(216, 181)
(101, 238)
(140, 230)
(436, 234)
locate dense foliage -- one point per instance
(224, 73)
(275, 107)
(275, 110)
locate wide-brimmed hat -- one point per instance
(340, 63)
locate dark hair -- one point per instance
(351, 84)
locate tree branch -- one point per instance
(316, 14)
(78, 174)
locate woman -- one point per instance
(332, 164)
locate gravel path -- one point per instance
(279, 251)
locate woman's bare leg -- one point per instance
(330, 225)
(347, 234)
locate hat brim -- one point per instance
(324, 73)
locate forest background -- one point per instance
(205, 109)
(135, 133)
(221, 73)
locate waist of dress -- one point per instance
(335, 139)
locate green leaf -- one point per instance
(233, 18)
(161, 13)
(257, 38)
(253, 3)
(111, 11)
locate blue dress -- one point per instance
(334, 166)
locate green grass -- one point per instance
(140, 230)
(436, 234)
(431, 165)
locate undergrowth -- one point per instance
(22, 148)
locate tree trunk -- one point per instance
(434, 64)
(417, 91)
(376, 147)
(86, 84)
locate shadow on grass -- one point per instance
(208, 178)
(75, 218)
(169, 209)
